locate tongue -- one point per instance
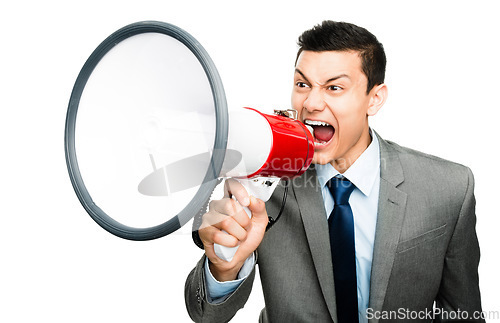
(323, 133)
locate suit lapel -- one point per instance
(391, 211)
(310, 201)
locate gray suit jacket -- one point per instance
(426, 249)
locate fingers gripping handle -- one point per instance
(227, 253)
(260, 187)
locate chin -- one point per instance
(321, 158)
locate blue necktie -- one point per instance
(341, 226)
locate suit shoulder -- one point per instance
(415, 161)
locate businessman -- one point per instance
(371, 232)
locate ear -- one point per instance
(378, 95)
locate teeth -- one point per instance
(311, 129)
(316, 123)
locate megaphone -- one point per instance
(273, 147)
(148, 134)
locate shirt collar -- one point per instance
(362, 173)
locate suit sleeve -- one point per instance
(459, 290)
(196, 298)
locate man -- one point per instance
(400, 245)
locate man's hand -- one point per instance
(229, 215)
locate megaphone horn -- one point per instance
(133, 107)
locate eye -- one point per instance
(334, 88)
(301, 84)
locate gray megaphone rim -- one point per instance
(220, 142)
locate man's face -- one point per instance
(330, 95)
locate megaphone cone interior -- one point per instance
(144, 152)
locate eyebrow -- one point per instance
(328, 81)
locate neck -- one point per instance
(343, 163)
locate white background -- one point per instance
(57, 265)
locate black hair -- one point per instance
(343, 36)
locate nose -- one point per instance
(315, 101)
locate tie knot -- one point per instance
(341, 189)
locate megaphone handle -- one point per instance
(260, 187)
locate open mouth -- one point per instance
(322, 132)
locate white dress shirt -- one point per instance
(364, 173)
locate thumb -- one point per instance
(258, 209)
